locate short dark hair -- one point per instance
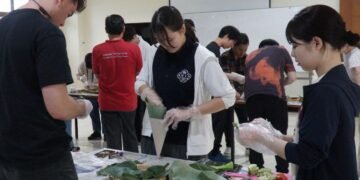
(114, 24)
(129, 33)
(321, 21)
(242, 39)
(81, 5)
(268, 42)
(231, 31)
(88, 62)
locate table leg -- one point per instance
(76, 129)
(233, 145)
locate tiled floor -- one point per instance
(85, 129)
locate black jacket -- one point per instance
(326, 147)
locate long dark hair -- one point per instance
(190, 31)
(168, 17)
(321, 21)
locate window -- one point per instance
(18, 3)
(5, 6)
(8, 5)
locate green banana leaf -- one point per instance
(181, 171)
(157, 112)
(128, 170)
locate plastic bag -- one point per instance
(266, 124)
(247, 134)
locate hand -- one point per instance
(236, 77)
(82, 79)
(237, 97)
(88, 107)
(256, 137)
(248, 136)
(267, 125)
(176, 115)
(150, 96)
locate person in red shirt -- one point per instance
(116, 64)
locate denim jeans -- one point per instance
(95, 116)
(63, 169)
(68, 131)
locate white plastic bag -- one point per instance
(248, 135)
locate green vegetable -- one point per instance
(253, 169)
(223, 167)
(202, 167)
(262, 174)
(181, 171)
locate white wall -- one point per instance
(92, 20)
(83, 31)
(200, 6)
(295, 89)
(288, 3)
(71, 32)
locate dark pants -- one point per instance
(95, 116)
(222, 123)
(63, 169)
(119, 128)
(240, 110)
(140, 110)
(168, 150)
(274, 110)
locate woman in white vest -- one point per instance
(183, 76)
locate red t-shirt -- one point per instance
(116, 64)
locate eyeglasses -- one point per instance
(42, 10)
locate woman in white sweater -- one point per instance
(182, 75)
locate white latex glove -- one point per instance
(247, 135)
(82, 79)
(176, 115)
(254, 136)
(88, 107)
(236, 77)
(266, 124)
(150, 96)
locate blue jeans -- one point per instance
(63, 169)
(95, 116)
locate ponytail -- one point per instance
(190, 34)
(353, 39)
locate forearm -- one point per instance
(71, 109)
(276, 145)
(356, 75)
(290, 78)
(212, 106)
(141, 88)
(60, 105)
(288, 138)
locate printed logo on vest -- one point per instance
(184, 76)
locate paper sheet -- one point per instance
(159, 131)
